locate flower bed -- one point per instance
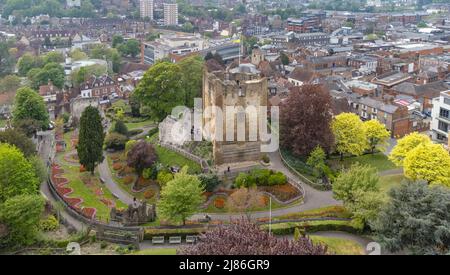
(219, 202)
(283, 192)
(149, 194)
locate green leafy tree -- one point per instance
(192, 78)
(317, 160)
(53, 57)
(121, 128)
(180, 197)
(78, 54)
(9, 83)
(377, 135)
(16, 173)
(406, 145)
(115, 141)
(90, 139)
(284, 59)
(116, 40)
(51, 71)
(415, 220)
(40, 170)
(161, 89)
(21, 214)
(30, 105)
(18, 139)
(6, 59)
(429, 162)
(141, 156)
(28, 62)
(358, 178)
(349, 134)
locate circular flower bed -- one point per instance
(117, 166)
(128, 179)
(219, 203)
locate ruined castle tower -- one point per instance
(241, 86)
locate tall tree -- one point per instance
(406, 145)
(180, 197)
(18, 139)
(161, 89)
(16, 173)
(377, 135)
(6, 59)
(305, 120)
(116, 40)
(192, 70)
(30, 105)
(429, 162)
(90, 139)
(242, 237)
(141, 156)
(21, 214)
(349, 134)
(357, 178)
(415, 220)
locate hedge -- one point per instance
(169, 232)
(314, 226)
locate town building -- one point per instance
(440, 117)
(170, 14)
(146, 9)
(102, 87)
(238, 87)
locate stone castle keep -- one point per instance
(240, 86)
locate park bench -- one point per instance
(115, 195)
(191, 239)
(158, 240)
(175, 240)
(102, 180)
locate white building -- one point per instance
(170, 14)
(440, 117)
(173, 43)
(146, 9)
(73, 3)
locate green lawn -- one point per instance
(156, 251)
(336, 211)
(2, 123)
(80, 190)
(389, 181)
(141, 124)
(378, 160)
(339, 246)
(171, 158)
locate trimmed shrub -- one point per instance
(120, 128)
(134, 132)
(49, 224)
(261, 176)
(164, 177)
(209, 181)
(277, 179)
(245, 180)
(115, 141)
